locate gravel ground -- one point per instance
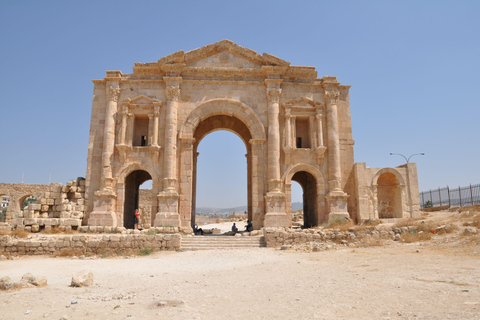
(408, 281)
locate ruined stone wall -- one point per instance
(57, 205)
(93, 244)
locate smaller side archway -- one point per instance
(388, 186)
(312, 183)
(132, 191)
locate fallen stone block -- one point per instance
(82, 278)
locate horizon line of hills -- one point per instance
(239, 210)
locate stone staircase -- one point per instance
(215, 242)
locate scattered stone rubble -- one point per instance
(318, 239)
(82, 278)
(62, 207)
(28, 281)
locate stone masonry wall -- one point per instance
(88, 243)
(61, 206)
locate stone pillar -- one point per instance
(103, 213)
(320, 149)
(168, 198)
(311, 129)
(319, 130)
(288, 129)
(123, 127)
(275, 199)
(336, 198)
(113, 92)
(155, 126)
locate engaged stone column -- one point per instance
(337, 199)
(123, 128)
(113, 92)
(155, 126)
(275, 199)
(173, 94)
(104, 202)
(168, 214)
(288, 129)
(273, 98)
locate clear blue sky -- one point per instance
(414, 67)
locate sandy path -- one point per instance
(373, 283)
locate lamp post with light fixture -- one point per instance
(408, 177)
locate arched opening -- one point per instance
(228, 189)
(132, 197)
(309, 185)
(26, 200)
(297, 204)
(4, 202)
(389, 196)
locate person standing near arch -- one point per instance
(137, 218)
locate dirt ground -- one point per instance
(438, 279)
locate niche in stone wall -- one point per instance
(302, 132)
(140, 130)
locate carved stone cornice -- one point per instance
(113, 94)
(173, 93)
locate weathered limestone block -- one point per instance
(82, 278)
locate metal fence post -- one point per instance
(471, 195)
(460, 195)
(448, 190)
(440, 196)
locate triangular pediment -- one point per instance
(222, 54)
(142, 100)
(303, 102)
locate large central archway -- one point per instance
(236, 117)
(231, 124)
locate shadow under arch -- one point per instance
(388, 185)
(129, 180)
(312, 183)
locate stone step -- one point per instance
(221, 242)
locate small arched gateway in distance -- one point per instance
(147, 126)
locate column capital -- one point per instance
(150, 116)
(124, 110)
(319, 116)
(331, 94)
(156, 110)
(173, 93)
(273, 95)
(113, 93)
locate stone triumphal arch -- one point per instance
(147, 126)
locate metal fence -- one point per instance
(453, 197)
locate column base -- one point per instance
(276, 215)
(102, 218)
(103, 213)
(167, 219)
(337, 206)
(167, 215)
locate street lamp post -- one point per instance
(407, 159)
(409, 195)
